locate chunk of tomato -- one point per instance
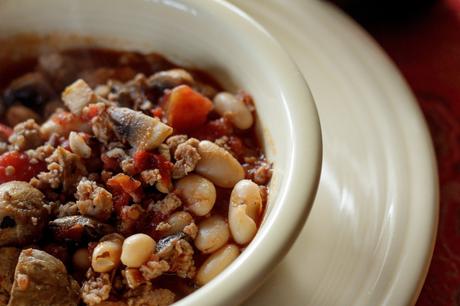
(144, 160)
(123, 188)
(16, 166)
(186, 109)
(5, 131)
(126, 183)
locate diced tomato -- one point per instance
(5, 131)
(110, 164)
(186, 109)
(126, 183)
(214, 129)
(144, 160)
(120, 199)
(165, 168)
(220, 127)
(93, 111)
(24, 170)
(157, 112)
(123, 188)
(63, 118)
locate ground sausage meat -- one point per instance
(93, 201)
(96, 288)
(146, 295)
(26, 135)
(187, 156)
(111, 168)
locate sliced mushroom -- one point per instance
(165, 245)
(78, 228)
(22, 213)
(139, 130)
(169, 79)
(31, 90)
(42, 280)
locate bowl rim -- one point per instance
(301, 178)
(301, 175)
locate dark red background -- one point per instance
(425, 45)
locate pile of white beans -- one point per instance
(213, 237)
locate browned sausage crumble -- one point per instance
(125, 180)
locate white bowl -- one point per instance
(219, 38)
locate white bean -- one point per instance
(234, 109)
(216, 263)
(50, 126)
(81, 260)
(163, 186)
(77, 95)
(244, 209)
(218, 165)
(197, 193)
(106, 256)
(78, 145)
(62, 123)
(178, 221)
(136, 250)
(213, 233)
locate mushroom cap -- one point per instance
(22, 213)
(41, 279)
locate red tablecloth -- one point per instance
(427, 51)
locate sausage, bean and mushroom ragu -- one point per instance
(125, 180)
